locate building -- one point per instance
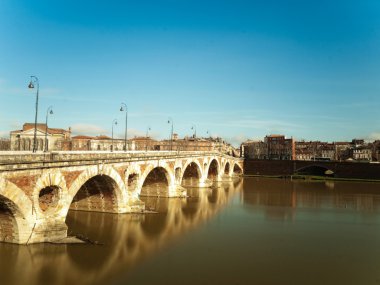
(342, 150)
(254, 149)
(280, 148)
(274, 147)
(144, 144)
(5, 144)
(315, 150)
(106, 143)
(361, 153)
(376, 150)
(101, 143)
(304, 154)
(359, 150)
(23, 139)
(327, 151)
(78, 143)
(198, 144)
(61, 140)
(277, 147)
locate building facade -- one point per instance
(23, 140)
(280, 148)
(61, 140)
(274, 147)
(277, 147)
(5, 144)
(254, 149)
(101, 143)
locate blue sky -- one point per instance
(240, 69)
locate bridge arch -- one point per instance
(16, 214)
(237, 170)
(315, 170)
(98, 189)
(50, 193)
(18, 197)
(156, 180)
(9, 220)
(213, 169)
(192, 173)
(227, 168)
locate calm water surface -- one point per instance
(254, 231)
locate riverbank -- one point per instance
(312, 178)
(350, 171)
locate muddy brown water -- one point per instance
(254, 231)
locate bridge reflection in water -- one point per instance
(124, 240)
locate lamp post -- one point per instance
(146, 139)
(194, 128)
(49, 111)
(170, 121)
(125, 108)
(114, 122)
(34, 80)
(209, 140)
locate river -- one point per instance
(252, 231)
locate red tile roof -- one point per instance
(102, 137)
(41, 127)
(82, 138)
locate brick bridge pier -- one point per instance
(38, 190)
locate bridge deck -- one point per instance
(13, 161)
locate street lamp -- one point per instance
(170, 121)
(209, 139)
(146, 139)
(194, 128)
(34, 80)
(114, 122)
(49, 111)
(125, 108)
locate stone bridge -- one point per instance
(38, 190)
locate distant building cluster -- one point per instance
(53, 139)
(277, 147)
